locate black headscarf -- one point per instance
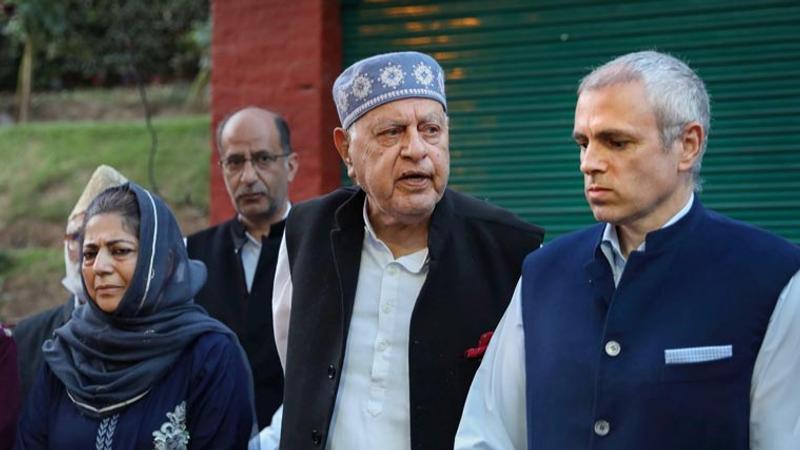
(109, 360)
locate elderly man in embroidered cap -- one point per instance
(382, 288)
(31, 333)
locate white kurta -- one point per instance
(372, 408)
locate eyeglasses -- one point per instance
(262, 160)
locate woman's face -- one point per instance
(110, 252)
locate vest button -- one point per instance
(602, 427)
(613, 348)
(316, 437)
(331, 372)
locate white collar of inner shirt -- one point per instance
(257, 242)
(610, 242)
(414, 263)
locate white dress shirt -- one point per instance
(251, 252)
(270, 437)
(372, 403)
(494, 415)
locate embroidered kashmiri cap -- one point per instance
(385, 78)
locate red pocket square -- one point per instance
(483, 342)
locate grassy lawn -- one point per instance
(45, 167)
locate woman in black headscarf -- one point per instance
(139, 366)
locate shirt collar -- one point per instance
(414, 263)
(242, 237)
(610, 240)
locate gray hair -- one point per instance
(677, 95)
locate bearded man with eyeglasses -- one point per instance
(257, 164)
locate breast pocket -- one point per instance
(699, 363)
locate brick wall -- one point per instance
(282, 55)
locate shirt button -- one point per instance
(316, 437)
(331, 372)
(602, 427)
(391, 270)
(387, 308)
(382, 345)
(613, 348)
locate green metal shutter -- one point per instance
(513, 66)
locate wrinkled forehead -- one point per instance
(405, 111)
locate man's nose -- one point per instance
(249, 175)
(415, 148)
(592, 160)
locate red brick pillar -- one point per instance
(282, 55)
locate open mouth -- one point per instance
(414, 178)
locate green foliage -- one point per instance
(46, 165)
(104, 42)
(200, 39)
(40, 20)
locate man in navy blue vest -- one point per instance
(666, 326)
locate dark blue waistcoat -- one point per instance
(704, 281)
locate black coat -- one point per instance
(225, 297)
(476, 251)
(31, 333)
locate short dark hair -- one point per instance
(119, 200)
(283, 133)
(280, 124)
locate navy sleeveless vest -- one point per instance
(595, 363)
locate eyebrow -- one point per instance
(109, 243)
(605, 134)
(380, 124)
(257, 151)
(437, 117)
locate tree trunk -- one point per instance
(25, 82)
(197, 92)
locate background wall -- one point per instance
(283, 56)
(512, 70)
(513, 67)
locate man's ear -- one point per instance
(690, 143)
(341, 139)
(292, 163)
